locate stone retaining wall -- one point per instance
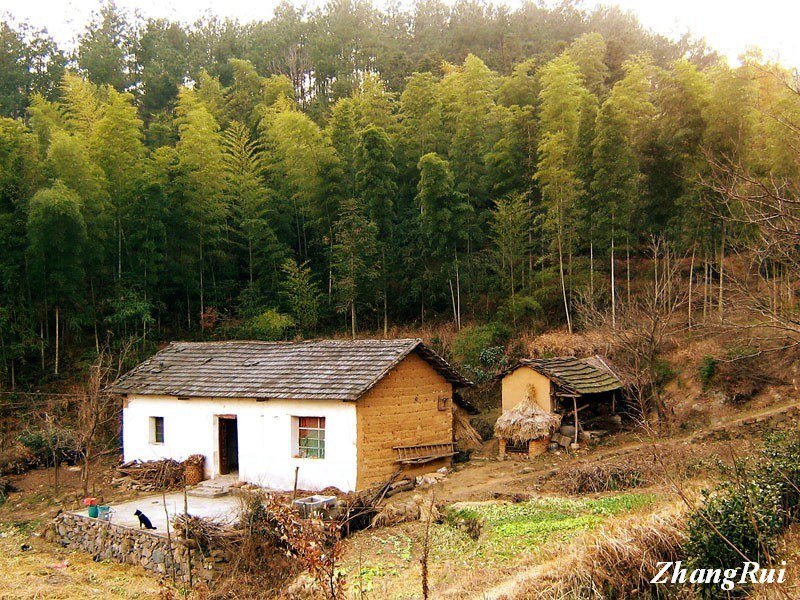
(109, 541)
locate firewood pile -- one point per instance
(150, 476)
(205, 533)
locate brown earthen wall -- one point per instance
(402, 410)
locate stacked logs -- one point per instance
(150, 476)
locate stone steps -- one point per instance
(209, 489)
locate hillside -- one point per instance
(534, 514)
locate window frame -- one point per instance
(315, 450)
(154, 430)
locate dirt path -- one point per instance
(485, 477)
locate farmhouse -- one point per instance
(344, 413)
(539, 394)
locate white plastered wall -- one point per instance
(265, 432)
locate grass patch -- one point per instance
(512, 528)
(508, 535)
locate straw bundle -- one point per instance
(526, 422)
(466, 436)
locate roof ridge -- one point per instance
(297, 342)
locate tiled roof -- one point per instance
(318, 370)
(575, 375)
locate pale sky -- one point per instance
(729, 26)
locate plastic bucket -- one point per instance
(103, 512)
(94, 511)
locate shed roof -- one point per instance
(316, 370)
(575, 375)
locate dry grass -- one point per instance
(466, 436)
(602, 477)
(46, 571)
(526, 422)
(560, 343)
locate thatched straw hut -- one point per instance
(527, 423)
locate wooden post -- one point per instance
(502, 448)
(294, 491)
(575, 408)
(532, 449)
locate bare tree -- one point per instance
(639, 331)
(97, 411)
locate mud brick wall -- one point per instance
(402, 410)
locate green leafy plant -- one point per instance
(707, 370)
(479, 349)
(270, 325)
(744, 516)
(465, 519)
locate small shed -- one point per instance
(564, 385)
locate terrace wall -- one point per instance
(154, 552)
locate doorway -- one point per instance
(228, 444)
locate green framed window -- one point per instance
(311, 437)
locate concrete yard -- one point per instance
(224, 508)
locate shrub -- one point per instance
(269, 326)
(781, 465)
(44, 444)
(706, 370)
(663, 371)
(521, 310)
(467, 520)
(471, 341)
(480, 349)
(747, 514)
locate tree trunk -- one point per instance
(721, 274)
(250, 257)
(85, 473)
(613, 282)
(353, 318)
(55, 370)
(458, 297)
(385, 315)
(628, 269)
(591, 270)
(202, 289)
(119, 248)
(691, 275)
(563, 284)
(705, 287)
(56, 464)
(453, 302)
(94, 318)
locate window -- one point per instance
(156, 430)
(311, 437)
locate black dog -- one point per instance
(143, 520)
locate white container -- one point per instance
(314, 506)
